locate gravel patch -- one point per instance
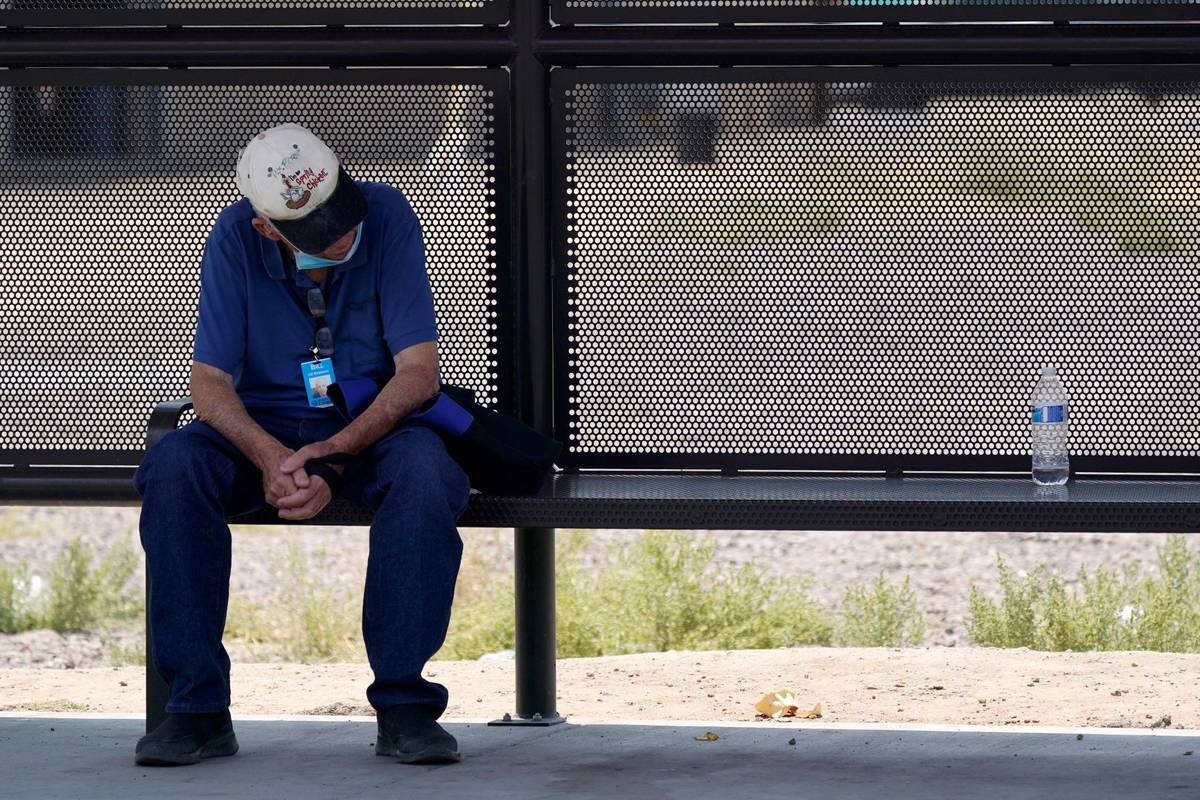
(52, 649)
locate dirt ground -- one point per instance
(854, 685)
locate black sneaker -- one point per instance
(186, 739)
(413, 736)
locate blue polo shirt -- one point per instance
(254, 322)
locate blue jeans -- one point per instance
(194, 478)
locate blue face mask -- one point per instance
(306, 261)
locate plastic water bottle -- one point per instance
(1051, 465)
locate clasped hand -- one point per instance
(289, 488)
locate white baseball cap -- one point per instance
(293, 179)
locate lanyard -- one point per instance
(322, 346)
(316, 305)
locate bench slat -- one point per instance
(744, 502)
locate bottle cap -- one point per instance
(1049, 371)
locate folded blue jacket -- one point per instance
(499, 453)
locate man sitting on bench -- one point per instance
(309, 279)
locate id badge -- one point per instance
(317, 377)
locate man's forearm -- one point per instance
(219, 405)
(399, 397)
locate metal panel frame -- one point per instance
(577, 46)
(494, 12)
(562, 80)
(891, 44)
(309, 76)
(26, 462)
(564, 14)
(190, 48)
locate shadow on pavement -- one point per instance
(62, 756)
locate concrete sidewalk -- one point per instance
(64, 756)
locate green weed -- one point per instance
(880, 614)
(309, 620)
(76, 595)
(17, 608)
(1114, 609)
(121, 655)
(659, 592)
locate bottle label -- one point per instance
(1047, 415)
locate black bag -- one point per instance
(500, 454)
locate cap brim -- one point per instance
(328, 222)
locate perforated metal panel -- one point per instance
(248, 12)
(845, 268)
(675, 11)
(108, 191)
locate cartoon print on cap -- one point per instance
(299, 185)
(294, 196)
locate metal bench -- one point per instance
(688, 273)
(757, 501)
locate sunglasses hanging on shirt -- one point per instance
(323, 338)
(317, 375)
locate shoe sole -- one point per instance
(154, 755)
(430, 755)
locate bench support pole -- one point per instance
(157, 690)
(533, 280)
(535, 645)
